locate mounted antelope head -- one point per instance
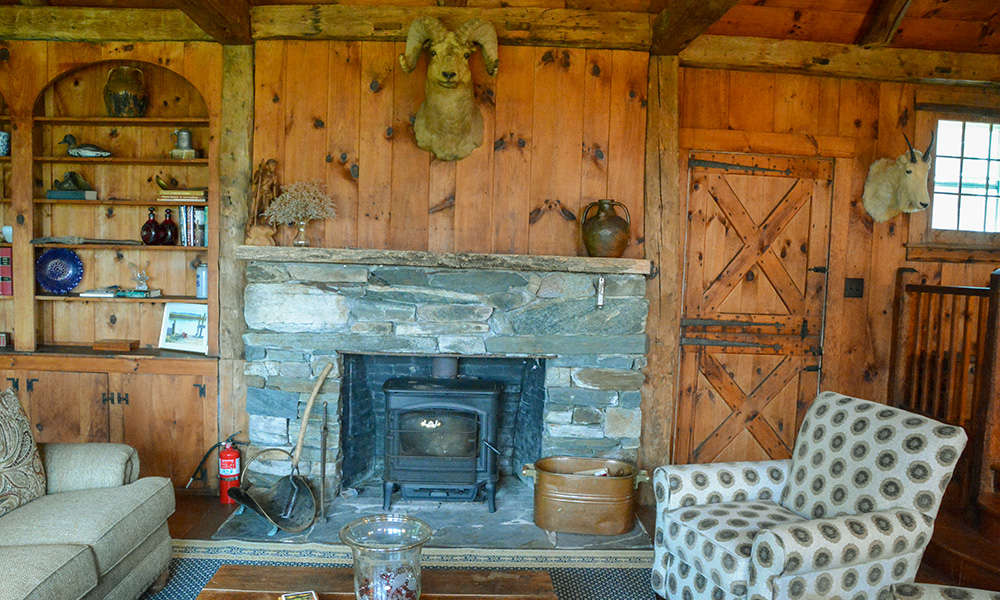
(898, 186)
(448, 123)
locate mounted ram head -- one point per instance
(898, 186)
(448, 123)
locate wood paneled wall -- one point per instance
(855, 122)
(563, 127)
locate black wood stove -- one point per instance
(441, 437)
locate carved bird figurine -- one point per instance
(71, 181)
(83, 150)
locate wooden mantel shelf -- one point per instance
(451, 260)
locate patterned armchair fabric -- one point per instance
(847, 516)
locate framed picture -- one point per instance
(185, 327)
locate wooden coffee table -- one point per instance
(255, 582)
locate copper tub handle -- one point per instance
(641, 477)
(529, 471)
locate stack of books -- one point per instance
(114, 291)
(183, 195)
(71, 195)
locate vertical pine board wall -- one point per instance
(854, 122)
(562, 127)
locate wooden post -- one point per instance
(664, 236)
(235, 167)
(983, 447)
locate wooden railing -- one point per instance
(942, 366)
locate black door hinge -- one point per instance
(122, 398)
(14, 383)
(107, 397)
(31, 385)
(201, 389)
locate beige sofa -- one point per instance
(98, 532)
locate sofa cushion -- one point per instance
(716, 539)
(46, 572)
(22, 478)
(111, 521)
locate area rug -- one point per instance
(576, 574)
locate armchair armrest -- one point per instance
(691, 485)
(70, 467)
(794, 549)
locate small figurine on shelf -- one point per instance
(72, 181)
(265, 190)
(139, 276)
(83, 150)
(299, 203)
(149, 229)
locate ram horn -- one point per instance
(927, 153)
(421, 30)
(480, 32)
(913, 155)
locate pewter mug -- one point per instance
(182, 139)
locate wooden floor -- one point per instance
(957, 554)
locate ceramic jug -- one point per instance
(605, 233)
(125, 92)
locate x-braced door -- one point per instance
(755, 288)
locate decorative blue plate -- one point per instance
(58, 270)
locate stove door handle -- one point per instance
(490, 446)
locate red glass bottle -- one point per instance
(149, 229)
(168, 231)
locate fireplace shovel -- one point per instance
(289, 504)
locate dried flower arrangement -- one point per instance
(301, 201)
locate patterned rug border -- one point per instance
(340, 555)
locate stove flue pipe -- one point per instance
(444, 367)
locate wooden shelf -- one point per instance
(4, 159)
(119, 202)
(5, 298)
(113, 160)
(141, 360)
(126, 122)
(125, 247)
(77, 298)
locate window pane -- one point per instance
(944, 211)
(974, 176)
(946, 175)
(972, 213)
(992, 215)
(977, 140)
(995, 143)
(949, 138)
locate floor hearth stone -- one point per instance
(456, 524)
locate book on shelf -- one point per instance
(6, 272)
(151, 293)
(71, 195)
(104, 292)
(185, 195)
(192, 224)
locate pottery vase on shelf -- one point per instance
(605, 233)
(300, 238)
(149, 229)
(125, 92)
(168, 231)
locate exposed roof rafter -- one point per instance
(883, 22)
(682, 21)
(227, 21)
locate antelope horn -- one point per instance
(480, 32)
(421, 30)
(913, 156)
(927, 153)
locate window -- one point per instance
(966, 185)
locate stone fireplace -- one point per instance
(571, 330)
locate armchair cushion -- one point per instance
(22, 478)
(688, 485)
(717, 539)
(848, 545)
(855, 456)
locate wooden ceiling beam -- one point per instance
(64, 24)
(684, 20)
(841, 60)
(227, 21)
(883, 22)
(514, 26)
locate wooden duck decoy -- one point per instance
(83, 150)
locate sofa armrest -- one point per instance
(70, 467)
(691, 485)
(794, 549)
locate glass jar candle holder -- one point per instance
(386, 551)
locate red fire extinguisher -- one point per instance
(229, 471)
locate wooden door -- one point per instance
(66, 407)
(170, 420)
(755, 288)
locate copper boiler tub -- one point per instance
(569, 499)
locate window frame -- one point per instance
(926, 243)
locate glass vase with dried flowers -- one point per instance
(299, 203)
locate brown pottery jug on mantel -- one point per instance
(125, 92)
(605, 234)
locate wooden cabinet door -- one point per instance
(171, 421)
(755, 290)
(66, 407)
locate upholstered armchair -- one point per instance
(846, 517)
